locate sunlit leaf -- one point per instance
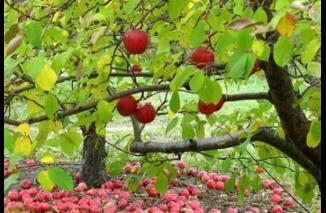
(46, 79)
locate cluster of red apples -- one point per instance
(136, 42)
(114, 196)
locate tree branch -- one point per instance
(91, 105)
(266, 135)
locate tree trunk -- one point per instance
(93, 162)
(292, 118)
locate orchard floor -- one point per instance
(209, 199)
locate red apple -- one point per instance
(205, 178)
(259, 170)
(276, 198)
(289, 203)
(26, 184)
(136, 68)
(31, 163)
(14, 206)
(232, 210)
(145, 114)
(219, 185)
(225, 178)
(192, 172)
(202, 57)
(211, 184)
(127, 105)
(195, 204)
(184, 192)
(277, 191)
(266, 184)
(220, 103)
(182, 165)
(122, 203)
(135, 41)
(77, 176)
(13, 195)
(206, 109)
(277, 209)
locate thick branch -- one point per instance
(265, 135)
(292, 118)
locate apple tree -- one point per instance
(73, 67)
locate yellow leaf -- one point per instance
(56, 16)
(170, 115)
(45, 181)
(57, 126)
(47, 78)
(258, 47)
(104, 61)
(286, 25)
(23, 145)
(24, 129)
(47, 159)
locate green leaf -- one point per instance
(12, 179)
(44, 128)
(9, 140)
(212, 119)
(133, 183)
(314, 68)
(115, 167)
(51, 105)
(240, 65)
(197, 35)
(210, 92)
(14, 160)
(197, 81)
(60, 60)
(281, 4)
(244, 182)
(45, 181)
(175, 102)
(314, 134)
(244, 40)
(283, 51)
(255, 181)
(260, 15)
(238, 7)
(34, 34)
(200, 130)
(229, 185)
(214, 21)
(175, 7)
(226, 164)
(181, 77)
(130, 6)
(70, 141)
(261, 50)
(34, 66)
(310, 50)
(187, 131)
(172, 125)
(104, 111)
(61, 178)
(162, 183)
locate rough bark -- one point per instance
(93, 162)
(266, 135)
(292, 118)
